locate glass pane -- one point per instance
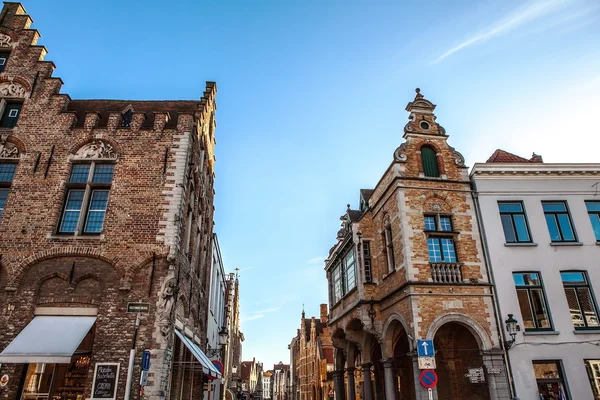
(587, 306)
(527, 279)
(546, 370)
(595, 220)
(79, 173)
(7, 172)
(565, 227)
(593, 370)
(445, 224)
(430, 223)
(449, 254)
(521, 227)
(573, 277)
(576, 315)
(37, 380)
(103, 173)
(433, 246)
(526, 311)
(510, 207)
(538, 304)
(350, 270)
(554, 207)
(553, 228)
(593, 205)
(509, 229)
(72, 211)
(519, 279)
(3, 197)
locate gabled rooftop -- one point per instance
(502, 156)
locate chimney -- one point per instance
(324, 316)
(536, 158)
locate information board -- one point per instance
(106, 378)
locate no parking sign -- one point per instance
(428, 378)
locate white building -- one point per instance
(266, 383)
(215, 326)
(541, 223)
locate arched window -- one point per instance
(429, 159)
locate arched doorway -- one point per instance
(457, 351)
(403, 364)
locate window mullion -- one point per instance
(531, 308)
(84, 209)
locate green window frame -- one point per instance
(593, 208)
(514, 222)
(580, 299)
(429, 161)
(532, 301)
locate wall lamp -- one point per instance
(512, 327)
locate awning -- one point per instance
(48, 339)
(207, 365)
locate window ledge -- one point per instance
(535, 333)
(521, 244)
(566, 243)
(73, 237)
(598, 242)
(388, 274)
(586, 331)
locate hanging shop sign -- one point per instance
(106, 377)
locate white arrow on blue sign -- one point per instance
(425, 348)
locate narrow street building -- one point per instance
(281, 381)
(409, 265)
(314, 355)
(542, 230)
(235, 338)
(106, 218)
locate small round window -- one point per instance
(424, 125)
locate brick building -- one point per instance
(409, 265)
(103, 202)
(235, 338)
(312, 358)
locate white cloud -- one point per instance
(316, 260)
(517, 18)
(259, 314)
(252, 317)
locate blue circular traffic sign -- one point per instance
(428, 378)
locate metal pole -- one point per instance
(131, 359)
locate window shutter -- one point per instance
(429, 159)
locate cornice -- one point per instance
(564, 170)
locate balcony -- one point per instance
(446, 273)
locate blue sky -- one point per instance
(311, 106)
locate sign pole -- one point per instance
(131, 359)
(430, 392)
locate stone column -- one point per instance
(368, 384)
(495, 372)
(390, 380)
(351, 384)
(338, 382)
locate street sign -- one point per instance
(494, 371)
(426, 362)
(425, 348)
(146, 360)
(428, 378)
(138, 307)
(476, 375)
(144, 378)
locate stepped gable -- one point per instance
(104, 107)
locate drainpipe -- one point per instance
(131, 359)
(488, 262)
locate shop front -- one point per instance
(56, 350)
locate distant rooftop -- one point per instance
(502, 156)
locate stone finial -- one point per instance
(419, 95)
(536, 158)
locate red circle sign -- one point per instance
(428, 378)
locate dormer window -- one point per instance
(3, 60)
(429, 160)
(126, 119)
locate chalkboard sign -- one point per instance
(106, 377)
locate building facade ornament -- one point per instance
(5, 41)
(399, 154)
(165, 304)
(12, 89)
(8, 149)
(97, 149)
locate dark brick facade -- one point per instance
(163, 176)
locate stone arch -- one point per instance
(181, 309)
(79, 146)
(20, 269)
(436, 204)
(14, 87)
(339, 359)
(483, 340)
(13, 139)
(390, 328)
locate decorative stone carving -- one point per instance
(399, 154)
(442, 129)
(438, 207)
(8, 149)
(12, 89)
(458, 159)
(408, 127)
(97, 149)
(5, 40)
(166, 301)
